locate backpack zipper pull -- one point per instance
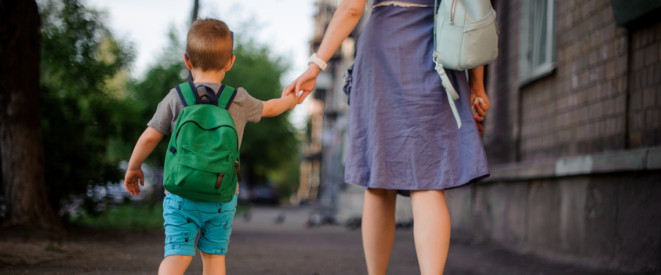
(236, 167)
(219, 179)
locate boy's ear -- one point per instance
(230, 63)
(187, 62)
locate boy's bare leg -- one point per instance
(213, 264)
(174, 265)
(431, 230)
(378, 228)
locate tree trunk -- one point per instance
(20, 127)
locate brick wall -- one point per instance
(574, 155)
(604, 95)
(581, 108)
(645, 87)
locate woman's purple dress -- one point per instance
(402, 134)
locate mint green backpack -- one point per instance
(202, 160)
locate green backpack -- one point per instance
(202, 160)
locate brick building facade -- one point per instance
(574, 147)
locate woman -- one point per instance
(402, 134)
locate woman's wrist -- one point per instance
(314, 69)
(320, 63)
(475, 87)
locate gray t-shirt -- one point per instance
(244, 108)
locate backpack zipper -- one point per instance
(210, 129)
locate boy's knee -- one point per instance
(178, 258)
(208, 256)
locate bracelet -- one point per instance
(317, 61)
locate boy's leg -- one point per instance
(378, 228)
(431, 230)
(174, 265)
(180, 231)
(215, 237)
(213, 264)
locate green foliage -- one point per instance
(143, 218)
(81, 112)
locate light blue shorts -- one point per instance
(185, 218)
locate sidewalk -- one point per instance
(261, 245)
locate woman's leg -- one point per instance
(213, 264)
(431, 230)
(174, 264)
(378, 228)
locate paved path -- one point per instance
(273, 241)
(261, 245)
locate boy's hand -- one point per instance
(131, 180)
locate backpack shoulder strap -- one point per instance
(185, 91)
(226, 96)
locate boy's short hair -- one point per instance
(209, 44)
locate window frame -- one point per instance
(529, 72)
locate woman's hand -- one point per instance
(476, 83)
(304, 83)
(479, 103)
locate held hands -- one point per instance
(304, 83)
(131, 180)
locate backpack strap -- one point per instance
(226, 96)
(445, 81)
(185, 91)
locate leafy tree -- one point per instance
(82, 113)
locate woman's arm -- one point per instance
(344, 20)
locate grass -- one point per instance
(141, 218)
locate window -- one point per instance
(537, 57)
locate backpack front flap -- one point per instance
(202, 158)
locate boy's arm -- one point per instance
(278, 106)
(145, 145)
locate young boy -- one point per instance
(208, 56)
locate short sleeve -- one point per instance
(247, 107)
(165, 114)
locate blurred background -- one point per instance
(573, 135)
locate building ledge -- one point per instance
(642, 159)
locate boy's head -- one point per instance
(209, 44)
